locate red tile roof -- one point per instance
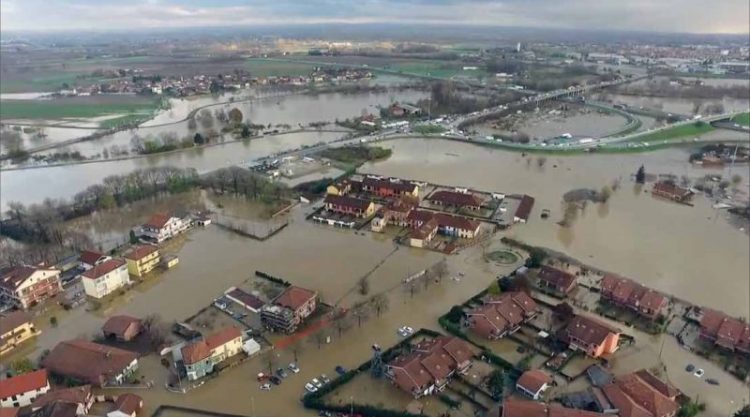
(118, 325)
(455, 198)
(522, 408)
(431, 361)
(589, 330)
(728, 332)
(557, 278)
(12, 277)
(398, 187)
(195, 352)
(631, 294)
(128, 403)
(139, 252)
(9, 412)
(13, 319)
(641, 394)
(294, 297)
(158, 220)
(87, 361)
(502, 313)
(76, 395)
(534, 380)
(103, 268)
(90, 257)
(200, 350)
(524, 207)
(456, 222)
(346, 201)
(246, 298)
(20, 384)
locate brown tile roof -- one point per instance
(87, 361)
(20, 384)
(631, 293)
(431, 361)
(641, 394)
(524, 207)
(556, 278)
(58, 409)
(12, 277)
(90, 257)
(522, 408)
(103, 268)
(139, 252)
(729, 332)
(158, 220)
(223, 336)
(346, 201)
(13, 319)
(455, 198)
(534, 380)
(425, 230)
(589, 330)
(399, 187)
(294, 297)
(76, 395)
(200, 350)
(246, 298)
(457, 222)
(128, 403)
(195, 352)
(118, 325)
(416, 217)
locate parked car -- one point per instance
(294, 368)
(281, 373)
(340, 370)
(712, 381)
(265, 387)
(405, 331)
(275, 380)
(690, 368)
(699, 373)
(324, 378)
(317, 383)
(310, 387)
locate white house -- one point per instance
(161, 227)
(533, 383)
(21, 390)
(105, 278)
(89, 259)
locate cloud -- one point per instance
(648, 15)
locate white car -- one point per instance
(294, 368)
(310, 387)
(405, 331)
(699, 373)
(265, 387)
(317, 383)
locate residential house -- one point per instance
(91, 363)
(524, 209)
(671, 191)
(396, 212)
(524, 408)
(105, 278)
(629, 294)
(426, 224)
(161, 227)
(421, 236)
(457, 199)
(431, 364)
(556, 281)
(402, 110)
(15, 328)
(80, 399)
(24, 286)
(591, 336)
(142, 259)
(21, 390)
(289, 309)
(501, 315)
(641, 394)
(724, 331)
(126, 405)
(199, 358)
(89, 259)
(390, 187)
(340, 188)
(533, 383)
(350, 206)
(122, 328)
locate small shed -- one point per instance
(250, 347)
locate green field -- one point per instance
(78, 107)
(260, 67)
(438, 69)
(743, 119)
(674, 133)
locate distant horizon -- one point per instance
(728, 17)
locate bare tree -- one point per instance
(270, 360)
(361, 311)
(341, 321)
(296, 348)
(379, 303)
(363, 286)
(320, 336)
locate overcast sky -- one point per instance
(699, 16)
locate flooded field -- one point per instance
(683, 106)
(549, 122)
(65, 181)
(659, 243)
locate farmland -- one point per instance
(77, 107)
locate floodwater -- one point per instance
(65, 181)
(678, 105)
(583, 122)
(674, 248)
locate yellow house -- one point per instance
(142, 259)
(340, 188)
(15, 328)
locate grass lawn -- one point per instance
(45, 82)
(76, 107)
(675, 133)
(267, 67)
(126, 119)
(743, 119)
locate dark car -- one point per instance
(340, 370)
(712, 381)
(690, 368)
(281, 373)
(275, 380)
